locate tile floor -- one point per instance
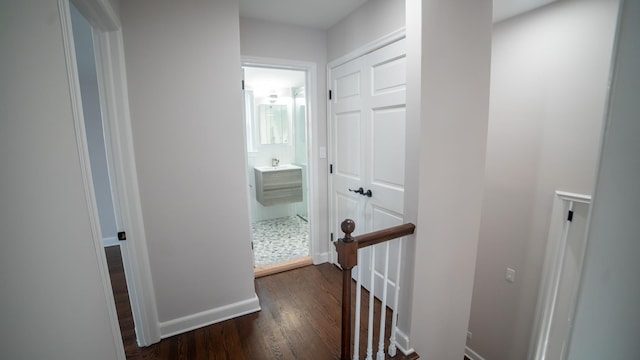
(279, 240)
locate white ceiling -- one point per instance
(323, 14)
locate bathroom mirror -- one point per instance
(273, 124)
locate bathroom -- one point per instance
(275, 107)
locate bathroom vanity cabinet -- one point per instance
(278, 185)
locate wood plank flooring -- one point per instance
(121, 298)
(300, 319)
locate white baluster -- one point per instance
(383, 306)
(371, 305)
(394, 318)
(356, 336)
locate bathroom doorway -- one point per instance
(276, 120)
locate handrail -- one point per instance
(347, 248)
(379, 236)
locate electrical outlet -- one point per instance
(469, 335)
(510, 275)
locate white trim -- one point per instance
(312, 132)
(208, 317)
(83, 157)
(320, 258)
(368, 47)
(468, 352)
(100, 14)
(277, 63)
(110, 241)
(402, 342)
(552, 271)
(569, 196)
(112, 83)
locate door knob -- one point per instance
(361, 191)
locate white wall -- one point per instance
(186, 114)
(53, 304)
(265, 39)
(83, 41)
(607, 318)
(115, 7)
(412, 161)
(548, 87)
(455, 51)
(371, 21)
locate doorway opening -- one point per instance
(94, 56)
(100, 177)
(92, 113)
(276, 121)
(560, 279)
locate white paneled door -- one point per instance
(367, 150)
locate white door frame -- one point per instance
(312, 130)
(111, 73)
(356, 53)
(552, 271)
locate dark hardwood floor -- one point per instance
(121, 298)
(300, 319)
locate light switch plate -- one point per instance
(322, 152)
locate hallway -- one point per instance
(300, 319)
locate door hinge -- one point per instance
(570, 216)
(330, 94)
(252, 245)
(242, 84)
(122, 236)
(330, 168)
(331, 237)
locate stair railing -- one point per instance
(348, 255)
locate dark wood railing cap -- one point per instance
(348, 226)
(383, 235)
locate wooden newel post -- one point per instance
(347, 249)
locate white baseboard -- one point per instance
(205, 318)
(402, 342)
(320, 258)
(110, 241)
(472, 354)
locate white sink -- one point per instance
(277, 168)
